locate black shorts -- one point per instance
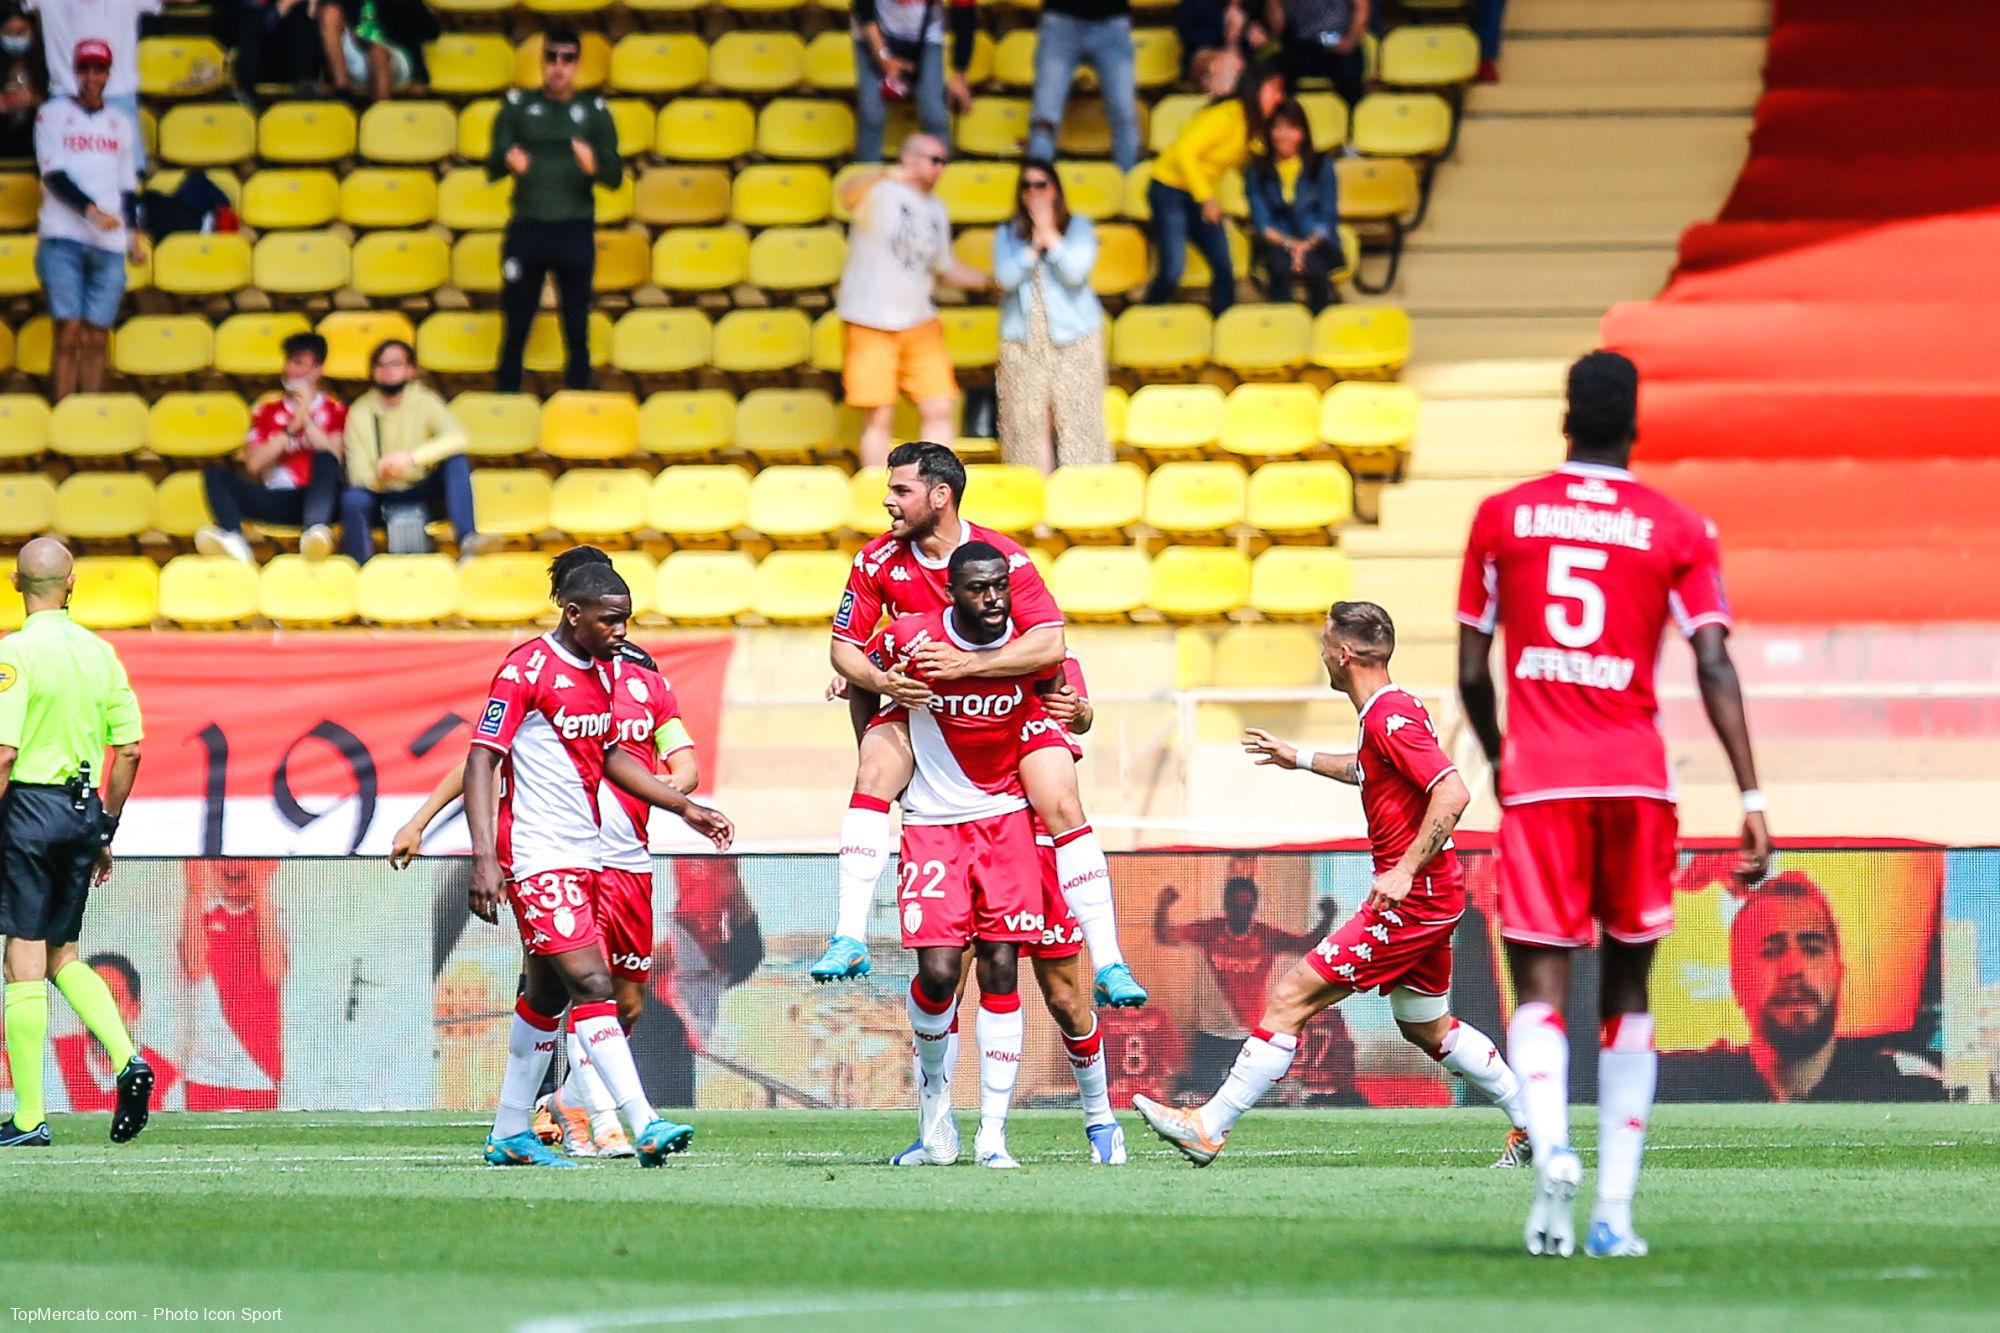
(47, 847)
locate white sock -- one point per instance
(1265, 1059)
(1628, 1068)
(585, 1089)
(1471, 1054)
(865, 841)
(531, 1044)
(611, 1057)
(935, 1043)
(998, 1031)
(1538, 1049)
(1086, 885)
(1093, 1080)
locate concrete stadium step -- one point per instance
(1420, 518)
(1486, 437)
(1579, 282)
(1611, 75)
(1419, 594)
(1525, 17)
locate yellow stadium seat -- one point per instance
(292, 590)
(20, 200)
(1196, 275)
(249, 345)
(829, 349)
(781, 196)
(1401, 125)
(467, 201)
(615, 206)
(115, 592)
(681, 196)
(701, 259)
(972, 333)
(700, 501)
(1123, 261)
(600, 501)
(408, 132)
(687, 423)
(1157, 338)
(565, 6)
(1326, 117)
(1300, 499)
(1263, 339)
(459, 342)
(1156, 57)
(657, 340)
(208, 592)
(17, 264)
(1198, 582)
(1117, 406)
(197, 425)
(1299, 582)
(34, 346)
(749, 342)
(100, 506)
(353, 335)
(468, 64)
(1095, 502)
(388, 197)
(179, 66)
(995, 127)
(1094, 190)
(658, 62)
(1428, 56)
(511, 501)
(301, 263)
(475, 128)
(500, 425)
(475, 262)
(164, 345)
(830, 62)
(1361, 339)
(642, 575)
(634, 121)
(807, 129)
(98, 425)
(1271, 420)
(1086, 131)
(1175, 418)
(624, 261)
(702, 587)
(1267, 657)
(1003, 496)
(507, 589)
(1357, 415)
(757, 62)
(191, 264)
(978, 193)
(1170, 116)
(799, 503)
(11, 610)
(799, 586)
(706, 129)
(407, 589)
(401, 263)
(24, 425)
(1377, 189)
(1014, 59)
(546, 354)
(27, 505)
(840, 181)
(587, 424)
(212, 134)
(784, 421)
(1100, 582)
(306, 132)
(787, 259)
(278, 199)
(1195, 499)
(973, 246)
(865, 490)
(592, 69)
(180, 504)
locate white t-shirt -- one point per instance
(899, 239)
(99, 151)
(114, 22)
(900, 19)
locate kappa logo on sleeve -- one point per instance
(846, 612)
(496, 713)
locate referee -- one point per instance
(63, 699)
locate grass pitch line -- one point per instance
(723, 1312)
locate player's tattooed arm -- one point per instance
(630, 776)
(1269, 751)
(1449, 798)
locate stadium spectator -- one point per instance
(1489, 18)
(1097, 33)
(24, 83)
(275, 42)
(404, 451)
(232, 952)
(1321, 39)
(1051, 375)
(1295, 210)
(1209, 28)
(899, 53)
(712, 943)
(88, 153)
(376, 45)
(291, 463)
(557, 146)
(89, 1081)
(1182, 194)
(113, 22)
(900, 238)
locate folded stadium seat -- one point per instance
(565, 6)
(587, 424)
(995, 127)
(11, 610)
(388, 197)
(687, 423)
(475, 263)
(799, 504)
(1428, 56)
(511, 501)
(759, 6)
(180, 504)
(459, 342)
(841, 177)
(753, 342)
(475, 128)
(24, 425)
(546, 354)
(1358, 340)
(1371, 424)
(1138, 180)
(1117, 405)
(192, 264)
(681, 196)
(294, 591)
(20, 200)
(197, 425)
(279, 199)
(394, 264)
(180, 66)
(634, 122)
(642, 575)
(249, 346)
(1086, 131)
(791, 259)
(208, 592)
(1195, 500)
(1170, 116)
(1005, 496)
(470, 64)
(1298, 582)
(593, 67)
(1271, 420)
(1381, 195)
(27, 505)
(211, 134)
(757, 62)
(1263, 339)
(655, 340)
(799, 586)
(98, 425)
(784, 423)
(353, 335)
(411, 589)
(115, 592)
(698, 502)
(706, 129)
(301, 263)
(1095, 190)
(1168, 419)
(1267, 657)
(658, 62)
(808, 129)
(1095, 503)
(830, 62)
(701, 259)
(597, 502)
(972, 332)
(705, 587)
(1302, 499)
(1159, 339)
(1401, 125)
(978, 193)
(771, 195)
(306, 132)
(7, 348)
(164, 345)
(974, 246)
(1326, 116)
(829, 343)
(499, 425)
(624, 260)
(1014, 59)
(467, 201)
(1196, 276)
(1156, 56)
(1100, 582)
(104, 506)
(407, 132)
(34, 347)
(865, 490)
(1124, 263)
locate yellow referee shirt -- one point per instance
(64, 697)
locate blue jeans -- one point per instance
(446, 493)
(1489, 17)
(1061, 44)
(871, 113)
(1177, 220)
(81, 282)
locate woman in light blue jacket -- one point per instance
(1051, 379)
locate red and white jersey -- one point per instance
(648, 719)
(549, 713)
(891, 576)
(968, 742)
(1400, 761)
(1580, 571)
(273, 418)
(99, 151)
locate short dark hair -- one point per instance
(568, 562)
(304, 343)
(561, 37)
(593, 583)
(1603, 412)
(381, 348)
(119, 963)
(1366, 626)
(1240, 884)
(973, 553)
(937, 465)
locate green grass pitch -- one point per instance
(1794, 1217)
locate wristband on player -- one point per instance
(107, 830)
(1304, 761)
(1753, 801)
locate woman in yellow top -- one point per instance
(1182, 195)
(404, 447)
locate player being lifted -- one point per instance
(903, 573)
(1582, 570)
(548, 732)
(1400, 940)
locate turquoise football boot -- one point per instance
(522, 1149)
(845, 959)
(660, 1140)
(1117, 988)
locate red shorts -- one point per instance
(625, 913)
(1061, 937)
(556, 910)
(1385, 950)
(1563, 863)
(959, 882)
